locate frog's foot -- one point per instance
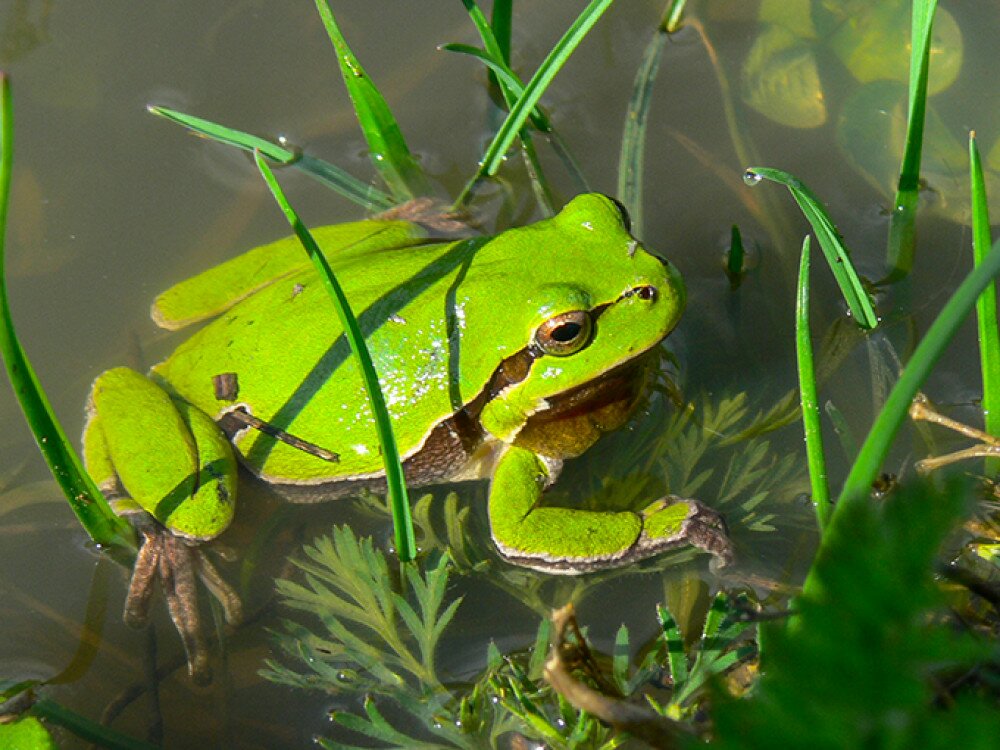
(674, 521)
(177, 563)
(570, 541)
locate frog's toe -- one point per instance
(140, 588)
(177, 564)
(672, 521)
(177, 576)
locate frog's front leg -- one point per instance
(569, 541)
(169, 467)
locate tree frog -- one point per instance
(499, 357)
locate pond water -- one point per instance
(112, 205)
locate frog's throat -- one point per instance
(574, 420)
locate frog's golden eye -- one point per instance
(564, 334)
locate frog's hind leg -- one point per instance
(169, 467)
(166, 456)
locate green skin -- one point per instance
(477, 386)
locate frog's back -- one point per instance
(295, 371)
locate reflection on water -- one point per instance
(112, 206)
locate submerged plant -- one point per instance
(370, 637)
(871, 659)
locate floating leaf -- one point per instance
(780, 79)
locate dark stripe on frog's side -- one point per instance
(448, 449)
(570, 424)
(456, 447)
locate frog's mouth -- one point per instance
(572, 421)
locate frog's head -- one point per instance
(582, 301)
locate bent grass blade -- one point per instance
(402, 521)
(495, 55)
(830, 241)
(370, 198)
(525, 104)
(875, 449)
(387, 148)
(86, 500)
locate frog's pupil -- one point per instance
(566, 332)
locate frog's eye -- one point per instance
(564, 334)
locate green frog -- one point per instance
(499, 357)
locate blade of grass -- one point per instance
(672, 17)
(674, 643)
(986, 306)
(86, 500)
(507, 79)
(830, 241)
(502, 23)
(367, 196)
(873, 452)
(533, 91)
(807, 390)
(901, 221)
(631, 159)
(86, 729)
(735, 257)
(387, 148)
(401, 519)
(508, 84)
(496, 56)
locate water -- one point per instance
(112, 205)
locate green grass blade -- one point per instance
(387, 148)
(901, 222)
(674, 14)
(497, 58)
(401, 519)
(807, 390)
(371, 198)
(539, 82)
(85, 728)
(495, 36)
(502, 22)
(673, 641)
(735, 257)
(830, 241)
(511, 87)
(986, 305)
(494, 48)
(876, 446)
(506, 79)
(631, 159)
(86, 500)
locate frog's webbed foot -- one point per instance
(672, 521)
(177, 564)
